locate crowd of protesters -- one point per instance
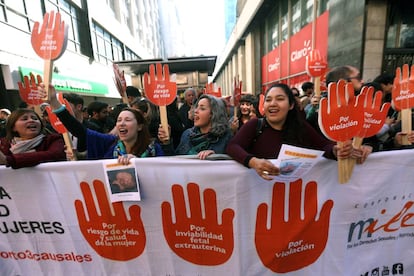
(202, 125)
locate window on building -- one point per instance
(273, 29)
(284, 21)
(107, 48)
(15, 14)
(307, 12)
(400, 32)
(296, 16)
(323, 6)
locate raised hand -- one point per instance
(190, 237)
(51, 41)
(28, 90)
(111, 235)
(291, 244)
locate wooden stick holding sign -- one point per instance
(375, 114)
(237, 93)
(60, 128)
(160, 90)
(403, 98)
(49, 43)
(120, 83)
(341, 117)
(316, 67)
(29, 93)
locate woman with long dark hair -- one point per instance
(27, 143)
(282, 124)
(132, 140)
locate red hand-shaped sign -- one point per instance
(119, 80)
(315, 65)
(341, 115)
(293, 243)
(261, 104)
(50, 42)
(112, 236)
(198, 240)
(211, 90)
(237, 92)
(159, 89)
(28, 90)
(374, 112)
(403, 88)
(55, 122)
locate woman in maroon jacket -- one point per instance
(25, 144)
(253, 144)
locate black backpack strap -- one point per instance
(259, 127)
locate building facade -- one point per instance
(271, 40)
(100, 32)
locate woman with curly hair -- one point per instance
(210, 133)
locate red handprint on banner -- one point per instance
(198, 240)
(28, 90)
(297, 242)
(112, 236)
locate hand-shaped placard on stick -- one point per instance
(190, 236)
(341, 117)
(60, 128)
(403, 98)
(261, 104)
(28, 90)
(298, 241)
(213, 90)
(120, 83)
(160, 90)
(375, 114)
(316, 67)
(112, 236)
(49, 42)
(237, 93)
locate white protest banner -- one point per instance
(201, 217)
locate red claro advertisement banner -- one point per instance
(290, 57)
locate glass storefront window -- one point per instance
(296, 10)
(400, 33)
